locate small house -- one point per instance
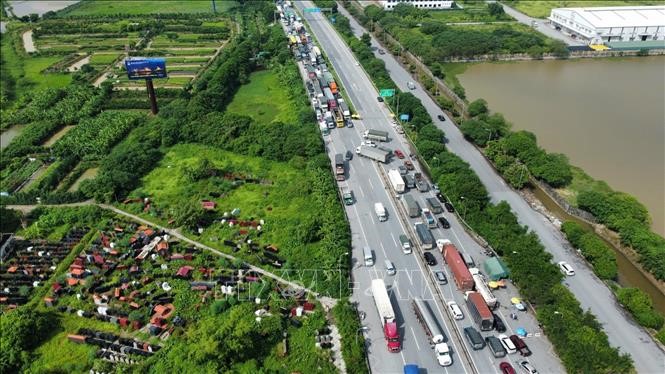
(184, 272)
(208, 205)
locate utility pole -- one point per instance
(151, 95)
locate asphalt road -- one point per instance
(364, 177)
(591, 292)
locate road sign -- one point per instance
(312, 10)
(387, 92)
(145, 68)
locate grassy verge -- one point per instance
(264, 99)
(106, 8)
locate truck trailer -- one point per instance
(427, 321)
(411, 205)
(396, 180)
(425, 236)
(386, 315)
(379, 135)
(483, 289)
(339, 167)
(373, 153)
(479, 310)
(457, 266)
(434, 205)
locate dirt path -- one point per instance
(77, 65)
(28, 43)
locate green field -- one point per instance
(136, 7)
(99, 59)
(541, 9)
(472, 12)
(263, 99)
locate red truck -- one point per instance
(479, 311)
(387, 315)
(461, 273)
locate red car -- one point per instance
(506, 368)
(399, 153)
(409, 165)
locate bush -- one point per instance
(593, 249)
(22, 331)
(477, 107)
(353, 342)
(640, 306)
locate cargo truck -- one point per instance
(457, 266)
(396, 180)
(328, 93)
(411, 205)
(373, 153)
(380, 211)
(333, 87)
(425, 236)
(483, 289)
(345, 109)
(372, 134)
(428, 321)
(435, 205)
(339, 167)
(429, 218)
(328, 118)
(406, 244)
(339, 118)
(479, 310)
(386, 315)
(409, 181)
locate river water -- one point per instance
(606, 115)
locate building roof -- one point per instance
(604, 17)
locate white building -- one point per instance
(421, 4)
(611, 24)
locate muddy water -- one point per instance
(606, 115)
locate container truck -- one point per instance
(379, 135)
(373, 153)
(428, 321)
(435, 205)
(479, 310)
(380, 211)
(429, 218)
(386, 315)
(483, 289)
(339, 167)
(411, 205)
(396, 180)
(457, 266)
(425, 236)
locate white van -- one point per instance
(369, 257)
(390, 268)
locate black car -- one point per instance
(498, 323)
(379, 98)
(449, 207)
(441, 198)
(441, 117)
(444, 223)
(429, 258)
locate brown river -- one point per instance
(606, 115)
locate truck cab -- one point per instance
(429, 218)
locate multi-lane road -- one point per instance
(592, 293)
(367, 180)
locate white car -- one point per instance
(507, 344)
(368, 143)
(528, 368)
(566, 268)
(443, 354)
(455, 310)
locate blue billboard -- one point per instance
(145, 68)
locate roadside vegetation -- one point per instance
(576, 335)
(542, 9)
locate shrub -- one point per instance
(640, 306)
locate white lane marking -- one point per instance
(414, 337)
(384, 250)
(370, 182)
(362, 192)
(394, 241)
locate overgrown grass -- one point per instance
(136, 7)
(542, 9)
(581, 182)
(451, 71)
(263, 99)
(472, 12)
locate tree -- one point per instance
(477, 107)
(495, 9)
(366, 39)
(10, 220)
(22, 331)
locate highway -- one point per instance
(590, 291)
(367, 180)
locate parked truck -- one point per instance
(339, 118)
(429, 218)
(339, 167)
(411, 205)
(479, 310)
(345, 109)
(457, 266)
(333, 87)
(434, 205)
(482, 288)
(373, 153)
(396, 180)
(330, 121)
(380, 211)
(424, 235)
(386, 315)
(379, 135)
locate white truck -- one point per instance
(482, 288)
(396, 180)
(386, 314)
(380, 211)
(379, 135)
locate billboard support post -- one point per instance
(151, 95)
